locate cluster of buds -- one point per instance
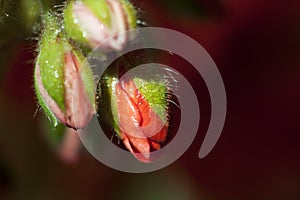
(64, 82)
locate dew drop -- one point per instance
(56, 74)
(56, 31)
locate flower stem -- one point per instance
(70, 147)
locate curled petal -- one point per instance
(79, 109)
(141, 128)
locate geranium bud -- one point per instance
(30, 12)
(139, 113)
(90, 22)
(63, 81)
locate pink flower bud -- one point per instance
(137, 109)
(141, 129)
(92, 22)
(63, 80)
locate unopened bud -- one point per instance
(139, 113)
(63, 81)
(90, 22)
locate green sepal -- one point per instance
(51, 117)
(56, 133)
(72, 29)
(99, 8)
(52, 48)
(107, 102)
(155, 93)
(50, 60)
(131, 13)
(30, 14)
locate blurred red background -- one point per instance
(256, 46)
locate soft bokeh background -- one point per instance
(255, 44)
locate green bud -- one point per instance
(63, 80)
(30, 13)
(90, 22)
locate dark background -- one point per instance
(256, 46)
